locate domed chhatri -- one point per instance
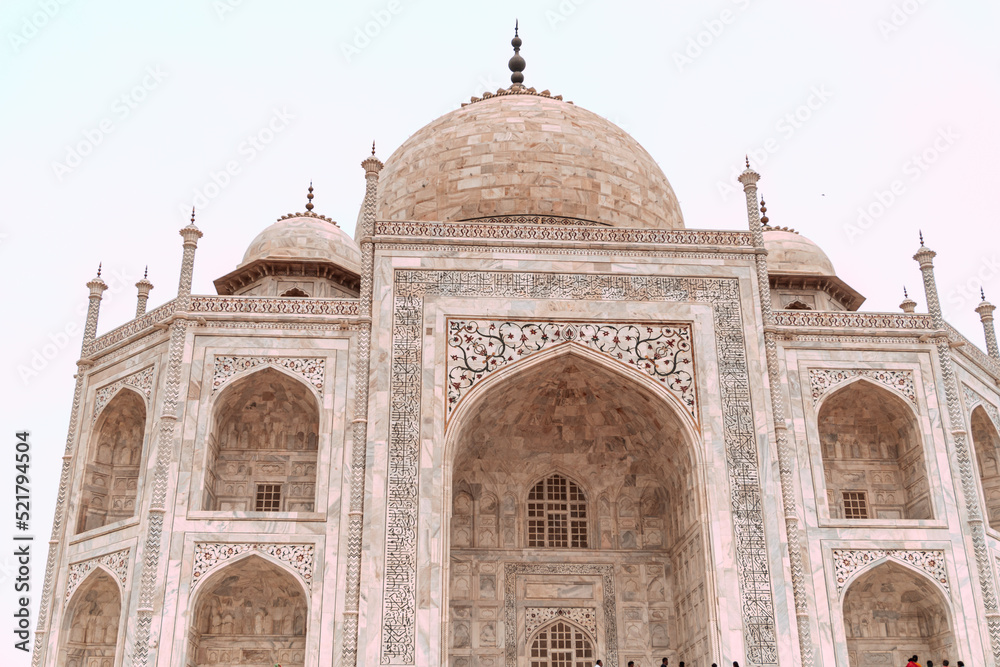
(790, 252)
(302, 254)
(802, 277)
(526, 155)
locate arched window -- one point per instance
(987, 449)
(557, 514)
(561, 645)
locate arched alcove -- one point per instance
(593, 467)
(111, 477)
(873, 458)
(890, 613)
(263, 446)
(252, 612)
(90, 624)
(560, 644)
(987, 446)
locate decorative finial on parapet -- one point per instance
(309, 197)
(99, 265)
(925, 258)
(747, 157)
(373, 147)
(763, 212)
(97, 287)
(921, 232)
(143, 287)
(516, 63)
(985, 310)
(908, 305)
(190, 234)
(192, 215)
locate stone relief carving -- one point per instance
(822, 380)
(476, 348)
(273, 305)
(585, 617)
(310, 368)
(140, 380)
(207, 556)
(411, 286)
(851, 320)
(973, 398)
(848, 561)
(116, 562)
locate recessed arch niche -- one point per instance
(892, 612)
(986, 442)
(111, 476)
(570, 414)
(263, 445)
(250, 612)
(91, 622)
(873, 455)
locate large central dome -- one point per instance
(522, 153)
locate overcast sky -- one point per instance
(868, 120)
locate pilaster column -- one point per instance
(359, 436)
(97, 287)
(151, 577)
(143, 287)
(974, 515)
(985, 310)
(786, 457)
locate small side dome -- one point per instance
(305, 238)
(790, 252)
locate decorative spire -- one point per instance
(373, 147)
(309, 197)
(99, 265)
(192, 215)
(516, 63)
(985, 310)
(145, 272)
(763, 212)
(921, 232)
(908, 305)
(747, 157)
(982, 294)
(905, 295)
(143, 287)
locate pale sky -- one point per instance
(116, 116)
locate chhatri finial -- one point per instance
(373, 147)
(99, 265)
(309, 197)
(763, 212)
(921, 232)
(982, 294)
(145, 273)
(192, 215)
(747, 160)
(905, 295)
(516, 63)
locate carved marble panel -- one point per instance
(848, 561)
(585, 617)
(822, 380)
(208, 556)
(141, 381)
(310, 368)
(116, 562)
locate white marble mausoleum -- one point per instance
(527, 417)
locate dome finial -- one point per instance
(516, 63)
(373, 147)
(192, 215)
(747, 160)
(905, 295)
(145, 273)
(99, 265)
(763, 212)
(921, 232)
(309, 197)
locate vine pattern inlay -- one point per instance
(477, 348)
(140, 380)
(848, 561)
(822, 380)
(739, 431)
(116, 563)
(208, 556)
(310, 368)
(536, 617)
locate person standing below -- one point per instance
(631, 663)
(664, 663)
(598, 664)
(913, 662)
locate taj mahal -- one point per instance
(529, 416)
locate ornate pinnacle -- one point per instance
(908, 305)
(309, 197)
(763, 212)
(516, 63)
(99, 265)
(373, 147)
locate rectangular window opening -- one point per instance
(268, 498)
(855, 505)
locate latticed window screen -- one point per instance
(557, 514)
(561, 645)
(855, 505)
(268, 498)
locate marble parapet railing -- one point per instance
(500, 228)
(206, 305)
(853, 320)
(973, 352)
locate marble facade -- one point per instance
(538, 437)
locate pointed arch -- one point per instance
(986, 453)
(907, 401)
(113, 462)
(873, 453)
(252, 606)
(92, 621)
(561, 643)
(263, 444)
(891, 600)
